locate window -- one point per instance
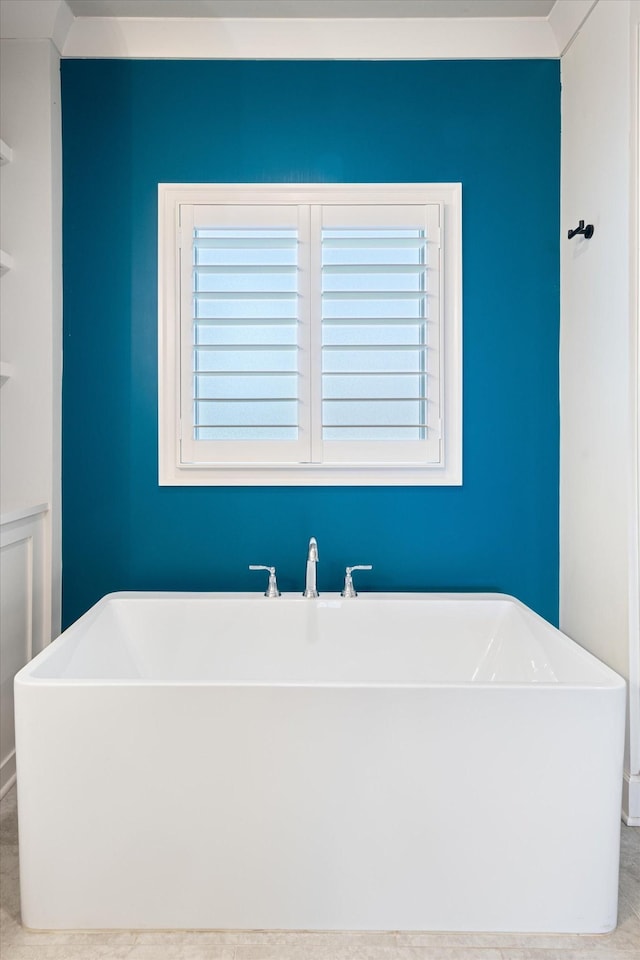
(310, 334)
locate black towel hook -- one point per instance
(587, 231)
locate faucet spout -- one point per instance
(312, 560)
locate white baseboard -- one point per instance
(631, 799)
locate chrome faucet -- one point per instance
(312, 561)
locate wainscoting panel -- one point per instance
(24, 613)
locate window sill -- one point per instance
(309, 476)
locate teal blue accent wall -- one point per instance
(494, 126)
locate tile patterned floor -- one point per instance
(19, 944)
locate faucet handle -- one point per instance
(272, 587)
(349, 590)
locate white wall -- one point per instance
(31, 342)
(31, 292)
(598, 356)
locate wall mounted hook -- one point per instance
(587, 231)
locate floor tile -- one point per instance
(585, 952)
(334, 950)
(270, 938)
(9, 818)
(111, 951)
(88, 939)
(630, 850)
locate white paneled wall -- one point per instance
(24, 613)
(598, 355)
(31, 357)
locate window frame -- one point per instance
(172, 472)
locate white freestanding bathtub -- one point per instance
(394, 761)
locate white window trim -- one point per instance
(172, 472)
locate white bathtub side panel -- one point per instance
(321, 808)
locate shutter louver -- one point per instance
(380, 333)
(245, 316)
(242, 396)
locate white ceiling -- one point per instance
(299, 29)
(311, 8)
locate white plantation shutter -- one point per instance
(244, 333)
(310, 333)
(380, 319)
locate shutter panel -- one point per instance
(381, 333)
(243, 278)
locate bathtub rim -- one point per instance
(611, 681)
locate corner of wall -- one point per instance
(566, 19)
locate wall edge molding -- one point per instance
(307, 39)
(566, 20)
(36, 20)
